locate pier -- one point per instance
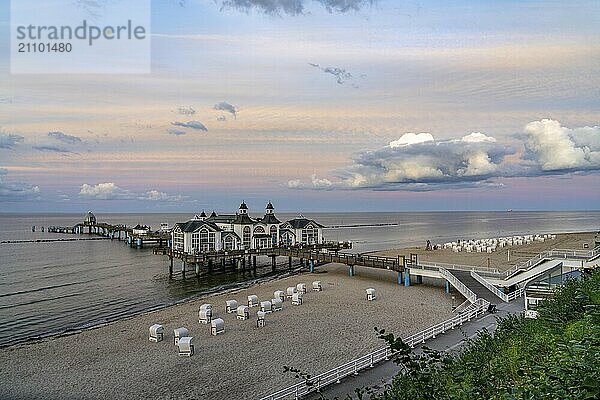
(138, 236)
(309, 256)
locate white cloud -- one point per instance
(104, 191)
(111, 191)
(478, 137)
(155, 195)
(315, 183)
(411, 138)
(554, 147)
(418, 162)
(295, 184)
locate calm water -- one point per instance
(48, 288)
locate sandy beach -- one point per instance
(330, 328)
(117, 360)
(499, 258)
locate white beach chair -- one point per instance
(156, 333)
(266, 307)
(217, 326)
(290, 291)
(371, 294)
(277, 304)
(186, 346)
(231, 306)
(178, 333)
(243, 312)
(252, 301)
(260, 319)
(297, 299)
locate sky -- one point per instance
(318, 105)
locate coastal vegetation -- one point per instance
(556, 356)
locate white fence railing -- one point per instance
(369, 360)
(436, 265)
(556, 253)
(489, 286)
(517, 293)
(461, 287)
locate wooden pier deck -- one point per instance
(309, 255)
(116, 232)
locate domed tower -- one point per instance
(202, 216)
(269, 209)
(90, 219)
(243, 208)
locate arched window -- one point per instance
(228, 242)
(259, 229)
(246, 236)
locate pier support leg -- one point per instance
(171, 267)
(301, 262)
(197, 269)
(254, 262)
(273, 263)
(447, 287)
(312, 266)
(406, 278)
(350, 270)
(290, 262)
(419, 279)
(139, 243)
(210, 265)
(243, 260)
(183, 268)
(400, 277)
(223, 263)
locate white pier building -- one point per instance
(240, 231)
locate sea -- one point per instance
(51, 288)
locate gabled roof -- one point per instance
(269, 219)
(243, 219)
(300, 223)
(193, 225)
(230, 233)
(222, 218)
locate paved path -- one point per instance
(450, 341)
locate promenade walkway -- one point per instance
(452, 340)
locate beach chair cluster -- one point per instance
(493, 244)
(185, 342)
(181, 335)
(293, 293)
(181, 339)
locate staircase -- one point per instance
(481, 291)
